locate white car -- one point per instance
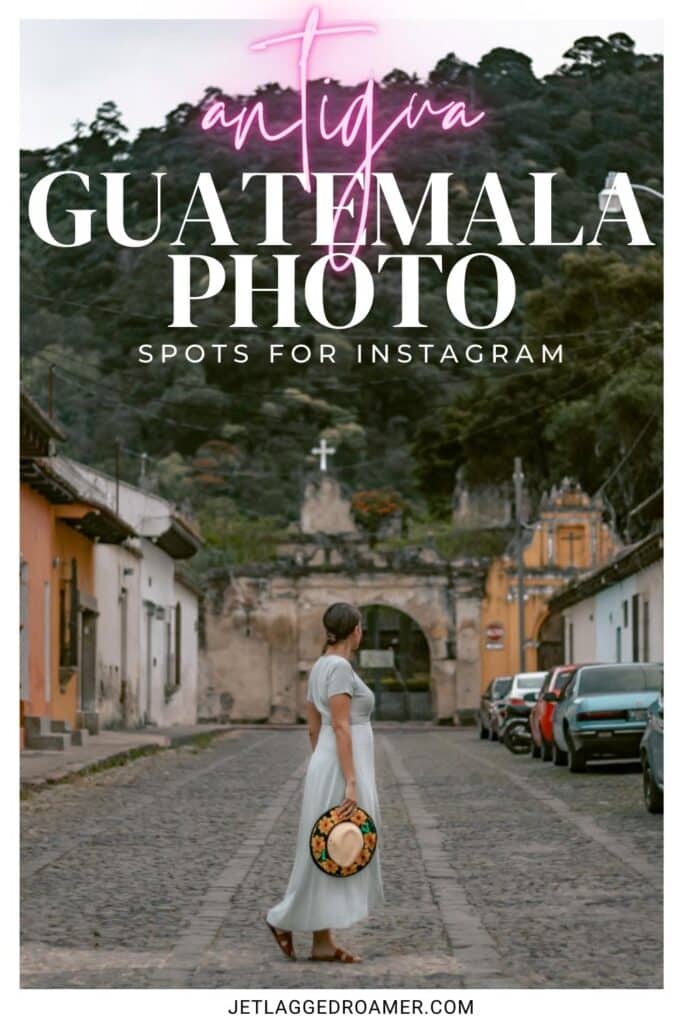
(523, 683)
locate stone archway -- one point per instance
(427, 598)
(264, 626)
(403, 691)
(264, 632)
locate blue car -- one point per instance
(602, 712)
(652, 757)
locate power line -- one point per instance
(575, 389)
(360, 464)
(79, 381)
(628, 454)
(66, 375)
(496, 424)
(471, 372)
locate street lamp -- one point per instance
(611, 203)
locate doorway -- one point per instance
(551, 643)
(400, 679)
(88, 660)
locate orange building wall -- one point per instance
(47, 546)
(37, 550)
(496, 608)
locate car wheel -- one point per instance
(483, 732)
(654, 798)
(576, 758)
(559, 756)
(547, 751)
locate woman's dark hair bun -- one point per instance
(340, 620)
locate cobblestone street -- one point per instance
(499, 871)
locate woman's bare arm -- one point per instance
(340, 713)
(314, 722)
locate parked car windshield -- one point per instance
(529, 681)
(562, 679)
(620, 679)
(501, 687)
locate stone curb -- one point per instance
(185, 738)
(112, 760)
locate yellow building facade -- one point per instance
(570, 536)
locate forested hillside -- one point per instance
(233, 442)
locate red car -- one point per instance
(541, 717)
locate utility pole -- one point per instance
(519, 528)
(118, 473)
(51, 391)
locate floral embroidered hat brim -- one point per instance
(343, 846)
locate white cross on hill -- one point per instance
(323, 451)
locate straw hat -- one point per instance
(343, 846)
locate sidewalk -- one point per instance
(41, 768)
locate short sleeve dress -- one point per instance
(314, 900)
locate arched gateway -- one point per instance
(263, 624)
(395, 661)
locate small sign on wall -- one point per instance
(377, 659)
(495, 636)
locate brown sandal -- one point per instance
(339, 954)
(284, 941)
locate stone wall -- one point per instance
(264, 633)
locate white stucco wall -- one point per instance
(601, 630)
(153, 593)
(140, 508)
(648, 586)
(157, 594)
(117, 568)
(579, 631)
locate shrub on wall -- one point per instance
(374, 509)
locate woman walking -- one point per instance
(340, 775)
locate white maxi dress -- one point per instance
(314, 900)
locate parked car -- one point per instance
(522, 684)
(496, 690)
(602, 712)
(652, 757)
(541, 717)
